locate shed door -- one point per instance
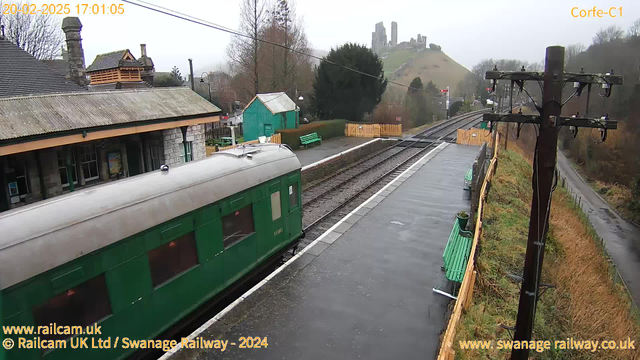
(268, 129)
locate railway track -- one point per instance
(381, 167)
(334, 197)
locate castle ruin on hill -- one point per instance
(380, 44)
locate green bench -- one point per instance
(468, 178)
(456, 253)
(310, 139)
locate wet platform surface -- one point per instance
(328, 148)
(363, 290)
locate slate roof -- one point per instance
(112, 60)
(21, 74)
(47, 114)
(276, 102)
(59, 66)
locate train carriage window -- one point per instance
(276, 210)
(172, 258)
(82, 306)
(293, 195)
(237, 225)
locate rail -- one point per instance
(466, 289)
(377, 180)
(409, 142)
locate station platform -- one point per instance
(328, 148)
(364, 288)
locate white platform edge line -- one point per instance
(219, 315)
(306, 167)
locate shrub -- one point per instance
(326, 129)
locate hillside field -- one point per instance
(428, 64)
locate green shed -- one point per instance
(267, 113)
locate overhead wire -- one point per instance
(209, 24)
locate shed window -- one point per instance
(276, 211)
(293, 195)
(237, 225)
(82, 306)
(172, 258)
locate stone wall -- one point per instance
(320, 171)
(174, 148)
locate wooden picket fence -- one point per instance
(372, 130)
(466, 288)
(473, 136)
(275, 139)
(390, 130)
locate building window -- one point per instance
(21, 185)
(62, 168)
(188, 148)
(89, 162)
(293, 195)
(172, 258)
(157, 156)
(82, 305)
(276, 210)
(237, 225)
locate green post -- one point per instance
(186, 157)
(67, 157)
(184, 129)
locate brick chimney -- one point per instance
(77, 71)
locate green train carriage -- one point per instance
(138, 255)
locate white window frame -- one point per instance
(60, 154)
(92, 151)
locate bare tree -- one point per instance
(571, 52)
(287, 64)
(39, 35)
(634, 29)
(243, 52)
(612, 33)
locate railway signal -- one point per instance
(544, 164)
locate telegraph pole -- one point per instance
(544, 164)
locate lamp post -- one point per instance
(208, 82)
(300, 99)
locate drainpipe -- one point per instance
(184, 142)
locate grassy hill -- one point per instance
(427, 64)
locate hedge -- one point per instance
(326, 129)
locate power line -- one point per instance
(215, 26)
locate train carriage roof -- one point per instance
(47, 234)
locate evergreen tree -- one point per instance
(342, 93)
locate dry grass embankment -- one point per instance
(588, 303)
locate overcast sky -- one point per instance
(467, 30)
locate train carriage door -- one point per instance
(294, 218)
